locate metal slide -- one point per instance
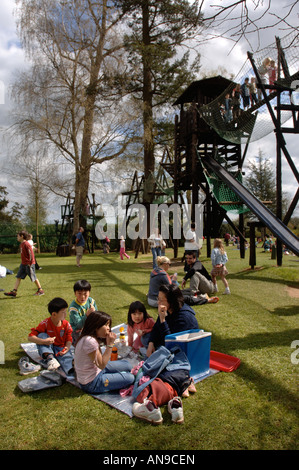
(273, 223)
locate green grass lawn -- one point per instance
(254, 407)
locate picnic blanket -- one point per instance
(49, 380)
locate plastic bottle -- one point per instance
(114, 354)
(122, 336)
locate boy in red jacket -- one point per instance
(27, 266)
(53, 337)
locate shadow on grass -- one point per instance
(288, 311)
(253, 275)
(266, 386)
(269, 388)
(111, 274)
(256, 341)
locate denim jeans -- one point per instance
(66, 361)
(145, 339)
(115, 376)
(156, 252)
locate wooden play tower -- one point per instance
(196, 141)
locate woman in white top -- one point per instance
(155, 242)
(30, 240)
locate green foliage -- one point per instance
(4, 216)
(157, 30)
(261, 180)
(252, 408)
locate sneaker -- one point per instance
(215, 288)
(26, 367)
(40, 292)
(147, 411)
(12, 293)
(227, 291)
(53, 364)
(175, 408)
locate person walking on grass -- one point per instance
(219, 259)
(79, 246)
(27, 266)
(122, 251)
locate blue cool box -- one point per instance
(196, 344)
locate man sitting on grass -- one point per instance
(200, 280)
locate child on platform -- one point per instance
(81, 307)
(53, 337)
(140, 323)
(219, 259)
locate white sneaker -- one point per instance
(175, 408)
(215, 288)
(147, 411)
(26, 367)
(53, 364)
(227, 291)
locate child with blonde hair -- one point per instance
(219, 259)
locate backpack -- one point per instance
(157, 361)
(160, 360)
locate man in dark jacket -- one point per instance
(200, 280)
(174, 316)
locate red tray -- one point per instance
(223, 362)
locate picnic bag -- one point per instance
(158, 361)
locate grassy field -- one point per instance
(254, 407)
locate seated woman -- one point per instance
(95, 373)
(159, 276)
(174, 316)
(167, 388)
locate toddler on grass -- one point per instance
(219, 259)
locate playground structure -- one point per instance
(66, 230)
(209, 154)
(162, 193)
(209, 151)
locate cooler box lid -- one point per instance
(187, 336)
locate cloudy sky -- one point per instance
(214, 53)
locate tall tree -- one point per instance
(158, 67)
(63, 99)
